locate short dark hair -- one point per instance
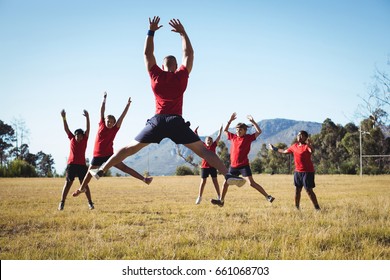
(79, 131)
(304, 133)
(242, 125)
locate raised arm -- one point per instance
(310, 145)
(219, 135)
(103, 106)
(232, 118)
(188, 51)
(88, 124)
(149, 58)
(120, 120)
(257, 128)
(66, 127)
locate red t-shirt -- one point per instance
(212, 148)
(104, 141)
(77, 150)
(302, 157)
(240, 147)
(169, 89)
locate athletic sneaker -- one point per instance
(270, 198)
(218, 202)
(198, 200)
(91, 206)
(61, 206)
(234, 180)
(96, 173)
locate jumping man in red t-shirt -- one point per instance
(168, 84)
(206, 169)
(304, 169)
(239, 162)
(77, 166)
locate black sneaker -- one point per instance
(270, 198)
(217, 202)
(91, 206)
(234, 180)
(61, 206)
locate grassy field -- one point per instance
(161, 221)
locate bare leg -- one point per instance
(201, 187)
(122, 154)
(199, 149)
(84, 185)
(65, 190)
(298, 196)
(256, 186)
(313, 198)
(216, 186)
(123, 167)
(224, 190)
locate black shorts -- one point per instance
(76, 170)
(304, 179)
(205, 172)
(167, 126)
(245, 171)
(98, 161)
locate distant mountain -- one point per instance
(162, 159)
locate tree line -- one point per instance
(15, 157)
(337, 151)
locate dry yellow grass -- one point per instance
(161, 221)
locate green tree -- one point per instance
(7, 137)
(223, 153)
(183, 170)
(279, 163)
(45, 165)
(329, 151)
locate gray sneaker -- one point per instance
(270, 198)
(234, 180)
(61, 206)
(91, 206)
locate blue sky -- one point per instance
(301, 60)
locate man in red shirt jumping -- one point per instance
(168, 84)
(77, 166)
(239, 162)
(304, 168)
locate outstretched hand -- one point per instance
(250, 118)
(153, 23)
(177, 26)
(85, 113)
(233, 117)
(63, 113)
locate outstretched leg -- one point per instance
(259, 188)
(122, 154)
(86, 180)
(123, 167)
(199, 149)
